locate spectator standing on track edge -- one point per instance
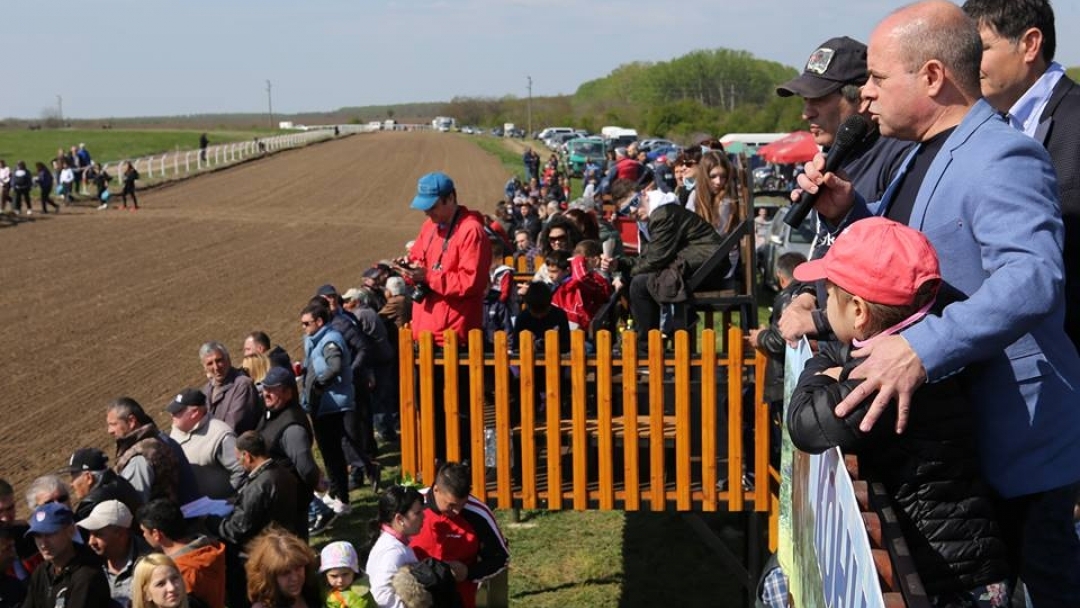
(448, 268)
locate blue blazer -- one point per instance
(989, 204)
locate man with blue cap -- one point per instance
(448, 262)
(71, 575)
(448, 267)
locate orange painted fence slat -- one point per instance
(591, 428)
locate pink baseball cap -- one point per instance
(878, 260)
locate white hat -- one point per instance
(107, 513)
(339, 554)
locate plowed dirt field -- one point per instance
(98, 304)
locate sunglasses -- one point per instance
(557, 238)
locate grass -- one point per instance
(596, 559)
(108, 145)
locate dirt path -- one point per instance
(96, 305)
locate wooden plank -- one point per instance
(708, 419)
(580, 438)
(656, 420)
(451, 386)
(631, 466)
(762, 435)
(527, 398)
(503, 462)
(427, 407)
(476, 403)
(683, 425)
(603, 410)
(735, 419)
(408, 411)
(554, 439)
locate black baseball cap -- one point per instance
(87, 459)
(188, 396)
(837, 62)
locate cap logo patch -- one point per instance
(40, 516)
(819, 60)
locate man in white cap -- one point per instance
(109, 535)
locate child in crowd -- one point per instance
(500, 303)
(67, 181)
(578, 288)
(539, 316)
(883, 277)
(345, 586)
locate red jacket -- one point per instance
(464, 538)
(457, 276)
(628, 168)
(581, 294)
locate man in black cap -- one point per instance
(287, 432)
(71, 575)
(208, 443)
(830, 87)
(93, 482)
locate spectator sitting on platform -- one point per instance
(539, 315)
(577, 289)
(882, 277)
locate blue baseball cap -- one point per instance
(430, 188)
(50, 518)
(279, 376)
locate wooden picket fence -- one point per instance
(609, 435)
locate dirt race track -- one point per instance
(95, 305)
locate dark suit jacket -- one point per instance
(1059, 131)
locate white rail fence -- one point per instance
(182, 163)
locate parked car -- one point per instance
(558, 139)
(648, 145)
(497, 131)
(667, 151)
(781, 238)
(580, 151)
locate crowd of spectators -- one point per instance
(70, 176)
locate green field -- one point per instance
(109, 145)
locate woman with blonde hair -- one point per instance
(256, 365)
(281, 571)
(157, 583)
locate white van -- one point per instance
(548, 132)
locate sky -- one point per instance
(120, 58)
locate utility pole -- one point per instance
(60, 108)
(529, 107)
(269, 104)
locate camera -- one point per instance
(419, 292)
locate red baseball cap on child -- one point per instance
(877, 259)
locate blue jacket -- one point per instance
(989, 204)
(328, 378)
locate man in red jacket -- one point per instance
(461, 531)
(448, 267)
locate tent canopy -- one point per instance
(795, 147)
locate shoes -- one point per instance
(103, 206)
(339, 506)
(29, 212)
(322, 523)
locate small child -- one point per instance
(883, 277)
(500, 301)
(345, 587)
(577, 288)
(539, 316)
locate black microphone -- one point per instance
(849, 137)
